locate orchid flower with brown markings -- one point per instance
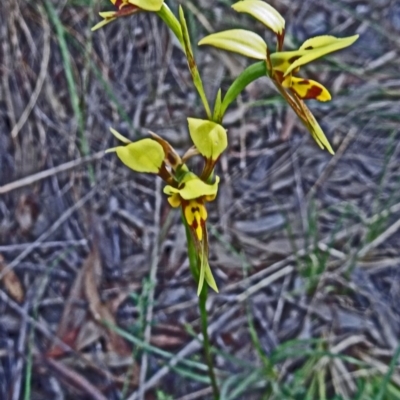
(184, 188)
(282, 65)
(126, 8)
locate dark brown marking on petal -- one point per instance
(195, 224)
(309, 48)
(303, 82)
(293, 59)
(313, 92)
(124, 11)
(278, 75)
(195, 209)
(182, 185)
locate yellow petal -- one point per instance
(146, 155)
(148, 5)
(209, 137)
(319, 50)
(174, 200)
(120, 3)
(319, 41)
(193, 187)
(309, 89)
(263, 12)
(240, 41)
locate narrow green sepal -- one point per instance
(172, 22)
(192, 63)
(217, 117)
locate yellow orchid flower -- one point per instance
(191, 195)
(126, 8)
(281, 65)
(185, 189)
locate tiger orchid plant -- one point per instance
(190, 190)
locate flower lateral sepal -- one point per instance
(124, 9)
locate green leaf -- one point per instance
(249, 75)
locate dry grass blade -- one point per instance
(76, 379)
(29, 180)
(39, 82)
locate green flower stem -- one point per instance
(206, 339)
(249, 75)
(194, 269)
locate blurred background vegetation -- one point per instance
(96, 298)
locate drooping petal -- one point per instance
(262, 11)
(239, 41)
(148, 5)
(208, 136)
(309, 89)
(145, 155)
(192, 187)
(316, 131)
(319, 50)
